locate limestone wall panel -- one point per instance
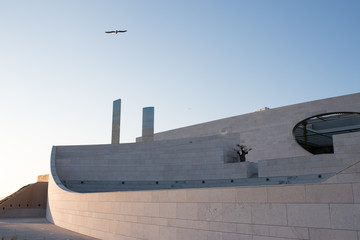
(356, 192)
(309, 215)
(328, 234)
(286, 194)
(251, 195)
(274, 214)
(236, 212)
(345, 216)
(335, 193)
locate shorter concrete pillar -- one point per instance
(148, 124)
(115, 136)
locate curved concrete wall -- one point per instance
(330, 210)
(326, 210)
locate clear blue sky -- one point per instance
(194, 61)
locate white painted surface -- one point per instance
(327, 210)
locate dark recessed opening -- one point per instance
(39, 205)
(203, 181)
(82, 182)
(267, 179)
(319, 176)
(19, 205)
(232, 180)
(27, 205)
(10, 205)
(3, 208)
(315, 134)
(122, 182)
(157, 182)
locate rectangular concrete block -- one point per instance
(209, 235)
(308, 215)
(222, 227)
(193, 224)
(146, 220)
(329, 193)
(348, 178)
(345, 216)
(272, 213)
(186, 234)
(210, 211)
(160, 196)
(137, 230)
(151, 209)
(177, 195)
(123, 228)
(255, 229)
(356, 192)
(151, 232)
(202, 225)
(167, 233)
(329, 234)
(126, 208)
(270, 238)
(222, 195)
(286, 194)
(251, 194)
(167, 210)
(289, 232)
(198, 195)
(235, 236)
(187, 211)
(137, 209)
(244, 228)
(238, 212)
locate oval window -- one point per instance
(315, 133)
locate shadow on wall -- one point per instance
(28, 201)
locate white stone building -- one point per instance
(300, 180)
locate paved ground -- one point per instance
(35, 229)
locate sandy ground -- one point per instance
(35, 229)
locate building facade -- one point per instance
(300, 180)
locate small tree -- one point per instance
(242, 150)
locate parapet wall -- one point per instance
(185, 159)
(329, 210)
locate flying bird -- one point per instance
(117, 31)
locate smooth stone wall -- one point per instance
(328, 210)
(184, 159)
(268, 132)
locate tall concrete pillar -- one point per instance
(115, 136)
(148, 124)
